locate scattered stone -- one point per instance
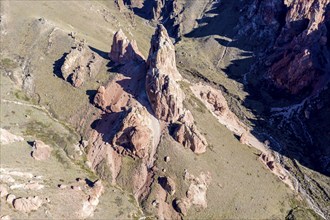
(27, 204)
(77, 188)
(40, 151)
(62, 186)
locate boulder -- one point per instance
(27, 204)
(40, 150)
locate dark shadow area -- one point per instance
(91, 94)
(89, 182)
(289, 137)
(31, 143)
(101, 53)
(57, 66)
(166, 15)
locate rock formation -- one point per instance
(300, 52)
(92, 201)
(99, 99)
(28, 204)
(163, 90)
(196, 194)
(123, 50)
(188, 135)
(135, 136)
(40, 150)
(6, 137)
(79, 64)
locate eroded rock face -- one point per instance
(27, 204)
(40, 150)
(164, 93)
(80, 63)
(99, 99)
(91, 203)
(135, 135)
(300, 51)
(123, 50)
(188, 135)
(196, 194)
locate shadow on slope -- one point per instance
(289, 139)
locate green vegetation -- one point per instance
(7, 63)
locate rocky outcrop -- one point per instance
(268, 159)
(40, 150)
(80, 63)
(163, 90)
(124, 51)
(196, 194)
(92, 201)
(6, 137)
(99, 98)
(135, 137)
(28, 204)
(300, 55)
(188, 135)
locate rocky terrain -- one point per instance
(165, 109)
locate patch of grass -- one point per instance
(7, 63)
(21, 96)
(103, 170)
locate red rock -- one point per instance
(123, 51)
(41, 151)
(164, 93)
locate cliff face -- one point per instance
(301, 52)
(163, 91)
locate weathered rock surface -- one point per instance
(6, 137)
(135, 135)
(123, 50)
(91, 203)
(196, 194)
(163, 90)
(40, 150)
(27, 204)
(188, 135)
(80, 63)
(268, 159)
(99, 99)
